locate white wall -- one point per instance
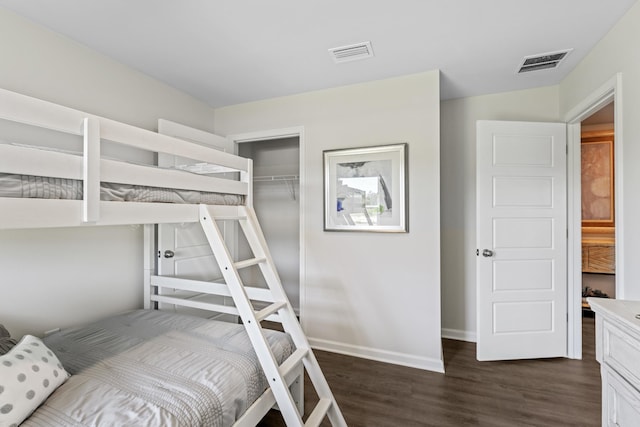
(458, 200)
(51, 278)
(44, 64)
(374, 295)
(618, 52)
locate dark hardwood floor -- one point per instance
(547, 392)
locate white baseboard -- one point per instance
(459, 335)
(412, 361)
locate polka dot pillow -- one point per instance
(29, 373)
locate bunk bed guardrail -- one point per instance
(92, 168)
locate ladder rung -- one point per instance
(293, 361)
(248, 262)
(220, 213)
(269, 310)
(318, 413)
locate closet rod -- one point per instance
(288, 179)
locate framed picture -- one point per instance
(365, 189)
(597, 182)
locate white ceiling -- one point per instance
(227, 52)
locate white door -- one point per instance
(522, 240)
(183, 249)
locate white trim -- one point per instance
(618, 190)
(596, 100)
(574, 244)
(267, 135)
(610, 90)
(459, 335)
(148, 262)
(91, 170)
(403, 359)
(297, 131)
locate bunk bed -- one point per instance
(152, 367)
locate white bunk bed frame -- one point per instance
(286, 380)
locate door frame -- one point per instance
(297, 131)
(609, 91)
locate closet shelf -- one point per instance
(287, 179)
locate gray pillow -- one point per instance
(6, 342)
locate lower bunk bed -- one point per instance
(140, 368)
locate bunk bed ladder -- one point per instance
(279, 376)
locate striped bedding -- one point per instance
(155, 368)
(28, 186)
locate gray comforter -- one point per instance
(42, 187)
(154, 368)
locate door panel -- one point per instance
(523, 233)
(523, 150)
(523, 191)
(510, 317)
(521, 237)
(192, 257)
(522, 275)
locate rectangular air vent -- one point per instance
(543, 61)
(352, 52)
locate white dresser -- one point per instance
(618, 351)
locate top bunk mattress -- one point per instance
(156, 368)
(41, 187)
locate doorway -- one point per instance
(276, 200)
(608, 94)
(598, 206)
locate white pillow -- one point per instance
(29, 373)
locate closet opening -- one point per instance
(598, 206)
(276, 200)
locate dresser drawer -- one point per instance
(620, 401)
(621, 351)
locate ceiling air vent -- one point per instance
(352, 52)
(543, 61)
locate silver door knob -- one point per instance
(169, 254)
(487, 253)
